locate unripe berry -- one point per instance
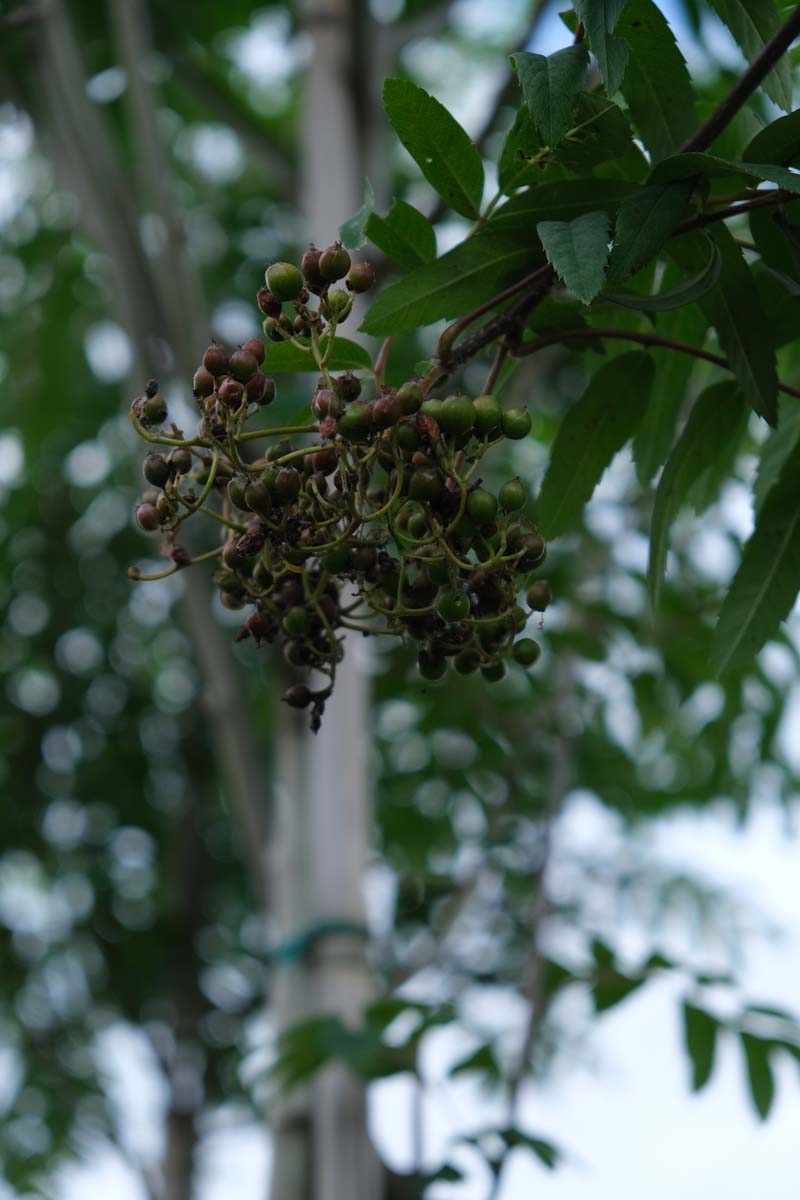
(354, 423)
(296, 621)
(467, 661)
(309, 265)
(243, 364)
(360, 277)
(407, 436)
(256, 348)
(337, 304)
(481, 507)
(432, 408)
(215, 360)
(284, 281)
(457, 415)
(155, 469)
(270, 305)
(236, 492)
(539, 595)
(336, 560)
(431, 665)
(268, 394)
(488, 415)
(231, 556)
(155, 409)
(512, 495)
(147, 518)
(453, 606)
(526, 651)
(181, 460)
(257, 497)
(516, 423)
(410, 396)
(494, 673)
(425, 484)
(334, 262)
(230, 393)
(203, 382)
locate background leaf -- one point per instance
(656, 86)
(700, 1035)
(352, 232)
(759, 1073)
(591, 433)
(752, 23)
(441, 148)
(578, 250)
(766, 584)
(282, 357)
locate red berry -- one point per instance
(270, 305)
(334, 262)
(309, 265)
(243, 364)
(203, 382)
(215, 360)
(256, 348)
(147, 517)
(360, 277)
(231, 393)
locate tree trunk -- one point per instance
(324, 820)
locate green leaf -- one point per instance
(777, 448)
(677, 296)
(352, 232)
(700, 1035)
(600, 19)
(653, 439)
(282, 357)
(766, 584)
(404, 235)
(759, 1073)
(777, 237)
(645, 221)
(778, 143)
(714, 418)
(520, 159)
(732, 307)
(578, 250)
(545, 1151)
(442, 149)
(562, 200)
(550, 85)
(469, 274)
(590, 435)
(612, 987)
(483, 1060)
(688, 166)
(752, 23)
(600, 137)
(657, 86)
(555, 314)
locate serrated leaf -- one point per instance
(732, 307)
(600, 137)
(777, 448)
(700, 1036)
(714, 417)
(562, 200)
(657, 86)
(765, 586)
(550, 86)
(688, 166)
(600, 19)
(779, 142)
(352, 232)
(752, 23)
(776, 237)
(592, 432)
(470, 273)
(675, 297)
(405, 235)
(520, 159)
(646, 219)
(578, 250)
(759, 1073)
(282, 357)
(441, 148)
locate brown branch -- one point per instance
(744, 87)
(533, 345)
(764, 200)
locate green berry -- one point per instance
(296, 621)
(467, 661)
(432, 408)
(410, 396)
(431, 665)
(481, 506)
(155, 409)
(236, 492)
(453, 606)
(539, 595)
(518, 618)
(425, 484)
(354, 423)
(336, 560)
(457, 415)
(257, 497)
(284, 280)
(418, 525)
(494, 673)
(338, 304)
(156, 469)
(406, 435)
(516, 423)
(512, 495)
(360, 277)
(488, 415)
(526, 652)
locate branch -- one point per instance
(722, 116)
(643, 339)
(780, 196)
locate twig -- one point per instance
(747, 83)
(627, 335)
(763, 200)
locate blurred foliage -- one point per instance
(122, 892)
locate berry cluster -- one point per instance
(376, 521)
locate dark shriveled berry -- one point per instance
(309, 265)
(287, 485)
(181, 460)
(360, 277)
(155, 409)
(270, 305)
(539, 595)
(203, 382)
(297, 696)
(156, 469)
